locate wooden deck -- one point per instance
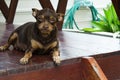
(73, 47)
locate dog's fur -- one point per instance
(41, 34)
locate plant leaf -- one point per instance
(91, 30)
(100, 25)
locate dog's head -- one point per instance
(46, 20)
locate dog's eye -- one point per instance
(40, 19)
(52, 19)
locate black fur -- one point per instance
(29, 31)
(37, 36)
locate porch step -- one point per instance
(73, 46)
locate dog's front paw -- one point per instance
(2, 48)
(56, 59)
(24, 60)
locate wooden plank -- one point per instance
(91, 69)
(4, 8)
(46, 4)
(67, 72)
(110, 64)
(61, 8)
(12, 10)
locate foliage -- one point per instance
(108, 22)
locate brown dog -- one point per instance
(41, 34)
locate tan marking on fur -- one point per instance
(52, 45)
(26, 57)
(56, 57)
(42, 16)
(28, 54)
(50, 27)
(46, 23)
(60, 16)
(4, 47)
(51, 17)
(35, 44)
(15, 35)
(34, 11)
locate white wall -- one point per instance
(100, 3)
(24, 10)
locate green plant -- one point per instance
(108, 22)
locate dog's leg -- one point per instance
(27, 56)
(10, 41)
(56, 56)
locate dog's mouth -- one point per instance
(45, 32)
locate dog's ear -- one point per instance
(60, 16)
(34, 11)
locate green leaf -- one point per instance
(107, 15)
(100, 25)
(91, 30)
(109, 22)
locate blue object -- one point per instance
(69, 20)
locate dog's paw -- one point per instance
(24, 60)
(2, 48)
(56, 59)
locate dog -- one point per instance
(38, 35)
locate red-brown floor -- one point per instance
(72, 45)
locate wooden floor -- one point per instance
(73, 46)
